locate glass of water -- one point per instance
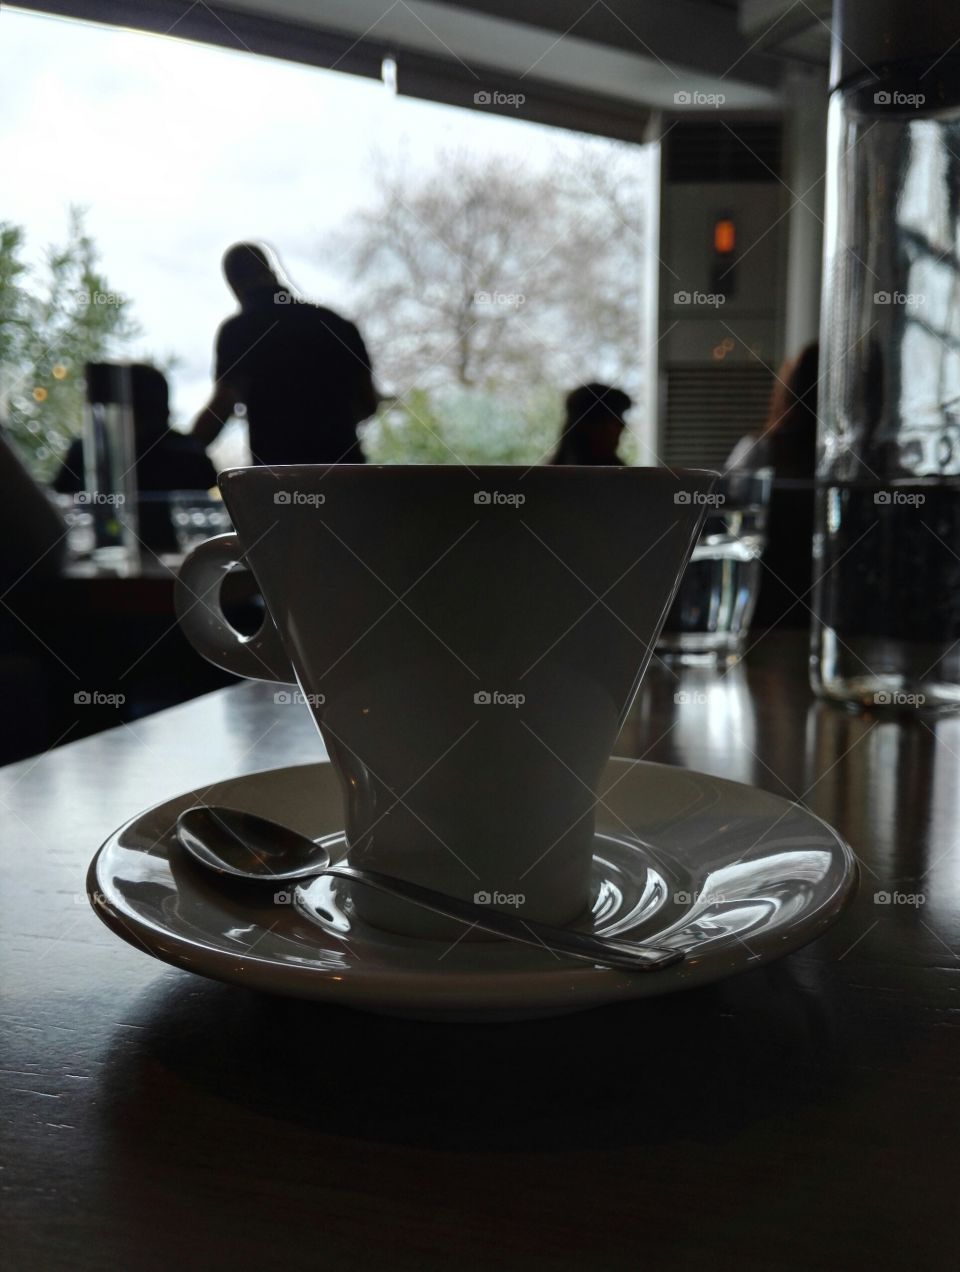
(711, 611)
(81, 535)
(197, 516)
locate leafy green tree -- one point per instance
(53, 320)
(456, 425)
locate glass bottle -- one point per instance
(110, 465)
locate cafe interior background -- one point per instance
(665, 234)
(725, 232)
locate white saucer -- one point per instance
(733, 875)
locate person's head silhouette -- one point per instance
(150, 395)
(249, 271)
(593, 425)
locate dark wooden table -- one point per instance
(801, 1116)
(94, 629)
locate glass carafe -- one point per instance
(886, 631)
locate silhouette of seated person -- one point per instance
(593, 426)
(33, 536)
(33, 532)
(165, 459)
(302, 372)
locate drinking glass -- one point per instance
(711, 611)
(197, 516)
(109, 451)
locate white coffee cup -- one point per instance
(468, 642)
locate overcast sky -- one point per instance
(179, 149)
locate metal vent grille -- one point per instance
(710, 150)
(709, 409)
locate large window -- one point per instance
(491, 264)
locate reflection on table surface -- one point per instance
(784, 1100)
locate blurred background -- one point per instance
(509, 200)
(608, 180)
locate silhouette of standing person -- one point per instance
(593, 426)
(301, 372)
(788, 444)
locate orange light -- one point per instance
(721, 350)
(724, 237)
(39, 394)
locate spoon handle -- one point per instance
(595, 949)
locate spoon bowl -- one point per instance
(232, 842)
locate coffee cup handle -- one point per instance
(197, 603)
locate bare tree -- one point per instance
(483, 274)
(484, 277)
